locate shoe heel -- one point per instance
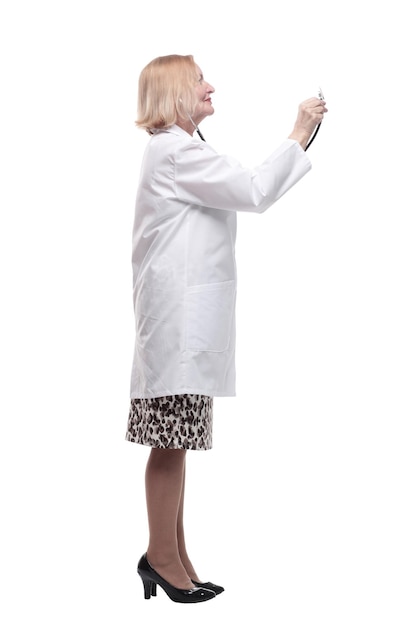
(149, 588)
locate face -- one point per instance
(203, 91)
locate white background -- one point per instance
(305, 510)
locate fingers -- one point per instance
(314, 105)
(313, 102)
(310, 115)
(313, 109)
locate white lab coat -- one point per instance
(184, 273)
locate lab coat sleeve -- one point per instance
(205, 178)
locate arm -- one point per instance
(203, 177)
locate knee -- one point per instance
(166, 459)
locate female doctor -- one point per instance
(184, 290)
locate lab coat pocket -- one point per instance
(209, 316)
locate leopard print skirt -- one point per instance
(182, 421)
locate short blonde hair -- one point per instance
(166, 91)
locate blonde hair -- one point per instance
(166, 91)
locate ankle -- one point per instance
(172, 571)
(188, 566)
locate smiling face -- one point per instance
(203, 91)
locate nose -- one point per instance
(209, 88)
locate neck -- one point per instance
(190, 126)
(186, 125)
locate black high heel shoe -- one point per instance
(151, 579)
(216, 588)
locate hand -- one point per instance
(310, 114)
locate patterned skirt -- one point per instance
(175, 422)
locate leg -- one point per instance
(181, 537)
(164, 481)
(183, 550)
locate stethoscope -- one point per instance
(196, 128)
(312, 138)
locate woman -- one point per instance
(184, 293)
